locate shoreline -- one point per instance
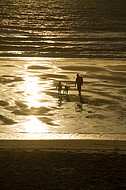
(74, 145)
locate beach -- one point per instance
(52, 140)
(62, 164)
(31, 107)
(62, 141)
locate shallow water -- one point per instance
(63, 28)
(30, 107)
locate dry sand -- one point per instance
(63, 164)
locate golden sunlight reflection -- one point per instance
(33, 125)
(32, 91)
(35, 91)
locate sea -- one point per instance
(44, 42)
(63, 28)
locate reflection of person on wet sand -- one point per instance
(78, 107)
(59, 87)
(81, 100)
(60, 101)
(79, 82)
(67, 98)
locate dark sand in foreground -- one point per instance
(58, 164)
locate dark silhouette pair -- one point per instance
(78, 82)
(60, 88)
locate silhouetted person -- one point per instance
(59, 87)
(79, 82)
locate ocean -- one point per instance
(44, 42)
(63, 28)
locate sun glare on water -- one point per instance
(32, 91)
(33, 125)
(35, 91)
(35, 98)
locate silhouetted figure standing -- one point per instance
(79, 82)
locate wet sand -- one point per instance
(65, 164)
(31, 105)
